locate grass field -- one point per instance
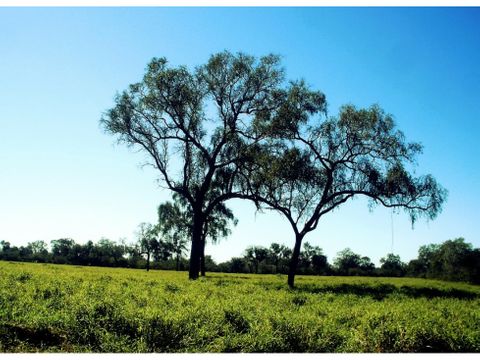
(57, 308)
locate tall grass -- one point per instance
(82, 309)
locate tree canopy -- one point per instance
(267, 141)
(317, 163)
(175, 224)
(166, 115)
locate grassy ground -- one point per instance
(57, 308)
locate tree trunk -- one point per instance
(202, 258)
(294, 260)
(148, 261)
(178, 261)
(196, 251)
(204, 242)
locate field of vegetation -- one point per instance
(65, 308)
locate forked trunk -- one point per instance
(294, 260)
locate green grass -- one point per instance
(58, 308)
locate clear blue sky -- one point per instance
(60, 176)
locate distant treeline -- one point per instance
(453, 260)
(103, 253)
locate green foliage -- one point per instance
(349, 263)
(175, 224)
(452, 260)
(52, 308)
(392, 266)
(199, 157)
(315, 164)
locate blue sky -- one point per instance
(61, 176)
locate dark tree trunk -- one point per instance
(204, 242)
(178, 261)
(202, 258)
(148, 261)
(196, 251)
(294, 260)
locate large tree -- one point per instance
(196, 128)
(317, 163)
(233, 129)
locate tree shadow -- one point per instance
(381, 291)
(229, 277)
(40, 338)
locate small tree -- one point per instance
(367, 267)
(349, 263)
(175, 228)
(320, 264)
(278, 256)
(38, 247)
(307, 255)
(255, 255)
(216, 227)
(313, 260)
(392, 266)
(346, 260)
(4, 245)
(422, 266)
(451, 261)
(176, 223)
(62, 249)
(147, 240)
(234, 265)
